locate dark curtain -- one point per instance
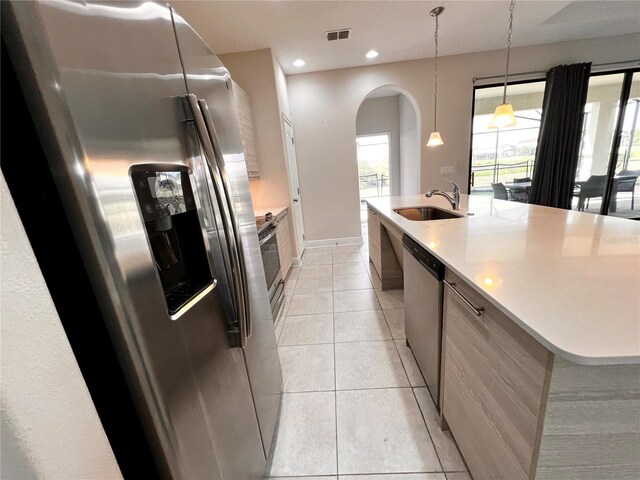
(565, 95)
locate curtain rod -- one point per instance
(544, 72)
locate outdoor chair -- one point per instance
(592, 188)
(500, 192)
(518, 195)
(627, 184)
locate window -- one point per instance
(502, 155)
(373, 165)
(629, 152)
(626, 187)
(604, 131)
(507, 156)
(601, 112)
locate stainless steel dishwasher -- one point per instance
(423, 293)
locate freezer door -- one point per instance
(106, 88)
(210, 83)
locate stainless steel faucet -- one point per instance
(455, 200)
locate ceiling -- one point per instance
(399, 30)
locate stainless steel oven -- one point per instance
(271, 262)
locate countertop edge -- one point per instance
(567, 355)
(259, 212)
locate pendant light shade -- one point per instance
(503, 116)
(435, 139)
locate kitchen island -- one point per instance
(545, 383)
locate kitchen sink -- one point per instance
(420, 214)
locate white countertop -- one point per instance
(261, 212)
(570, 279)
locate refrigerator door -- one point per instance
(106, 90)
(209, 81)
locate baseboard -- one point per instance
(333, 241)
(296, 262)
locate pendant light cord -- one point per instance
(435, 90)
(509, 32)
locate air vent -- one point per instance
(343, 34)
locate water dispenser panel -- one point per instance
(167, 204)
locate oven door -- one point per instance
(270, 260)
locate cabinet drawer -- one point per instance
(495, 379)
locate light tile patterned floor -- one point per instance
(355, 406)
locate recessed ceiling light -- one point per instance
(299, 63)
(372, 54)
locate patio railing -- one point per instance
(374, 185)
(499, 172)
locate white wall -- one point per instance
(409, 148)
(50, 428)
(324, 106)
(255, 72)
(260, 74)
(285, 109)
(382, 115)
(281, 88)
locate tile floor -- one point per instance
(355, 405)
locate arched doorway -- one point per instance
(387, 144)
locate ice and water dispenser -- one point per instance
(168, 207)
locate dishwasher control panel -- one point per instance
(427, 260)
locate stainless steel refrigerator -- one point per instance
(135, 116)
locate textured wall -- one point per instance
(50, 428)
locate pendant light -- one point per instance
(503, 116)
(435, 139)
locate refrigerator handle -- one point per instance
(228, 221)
(213, 137)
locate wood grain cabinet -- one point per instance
(386, 260)
(283, 237)
(517, 411)
(494, 381)
(247, 130)
(373, 226)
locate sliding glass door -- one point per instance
(625, 187)
(598, 131)
(609, 163)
